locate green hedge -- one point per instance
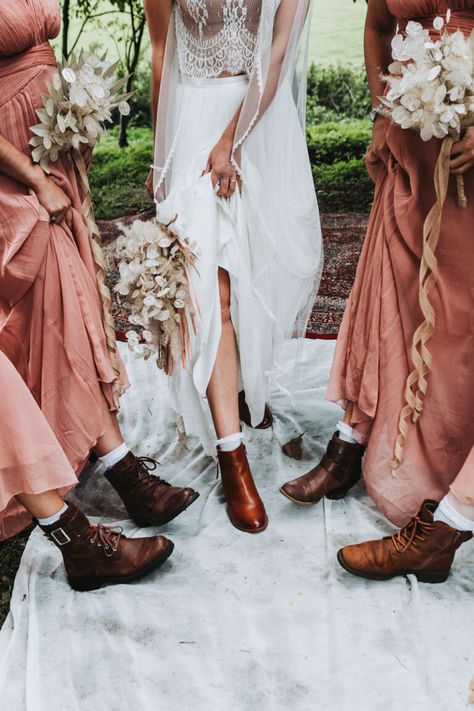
(333, 142)
(336, 151)
(336, 92)
(343, 186)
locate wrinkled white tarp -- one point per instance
(234, 622)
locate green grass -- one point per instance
(118, 175)
(10, 555)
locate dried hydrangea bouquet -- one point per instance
(155, 264)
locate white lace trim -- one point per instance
(203, 55)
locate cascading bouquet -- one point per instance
(431, 90)
(155, 264)
(76, 108)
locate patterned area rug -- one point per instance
(343, 237)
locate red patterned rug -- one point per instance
(343, 236)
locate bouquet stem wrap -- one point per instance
(417, 384)
(99, 259)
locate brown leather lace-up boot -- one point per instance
(244, 414)
(98, 555)
(338, 471)
(244, 506)
(424, 548)
(150, 501)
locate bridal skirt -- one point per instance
(268, 239)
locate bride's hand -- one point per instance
(149, 184)
(223, 173)
(462, 154)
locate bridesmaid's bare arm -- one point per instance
(158, 14)
(20, 167)
(380, 27)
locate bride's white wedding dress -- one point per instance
(268, 238)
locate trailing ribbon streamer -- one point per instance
(99, 260)
(417, 384)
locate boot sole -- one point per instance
(296, 501)
(145, 522)
(87, 584)
(421, 576)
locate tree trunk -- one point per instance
(133, 59)
(65, 39)
(123, 139)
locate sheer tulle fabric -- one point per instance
(268, 238)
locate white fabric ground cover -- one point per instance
(234, 622)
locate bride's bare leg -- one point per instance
(222, 391)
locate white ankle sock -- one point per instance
(231, 442)
(448, 514)
(112, 458)
(346, 433)
(52, 519)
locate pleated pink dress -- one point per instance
(373, 353)
(50, 308)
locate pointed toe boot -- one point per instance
(245, 417)
(338, 471)
(100, 555)
(424, 548)
(245, 508)
(150, 500)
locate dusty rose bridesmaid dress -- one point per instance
(31, 460)
(50, 309)
(373, 350)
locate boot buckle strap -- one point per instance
(60, 537)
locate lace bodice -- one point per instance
(216, 37)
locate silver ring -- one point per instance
(53, 219)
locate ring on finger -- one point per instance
(53, 218)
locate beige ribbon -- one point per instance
(99, 260)
(417, 384)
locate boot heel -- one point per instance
(340, 493)
(432, 577)
(84, 584)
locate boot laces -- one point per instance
(410, 535)
(107, 538)
(145, 465)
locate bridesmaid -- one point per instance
(55, 326)
(373, 354)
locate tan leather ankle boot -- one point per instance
(423, 547)
(244, 505)
(98, 555)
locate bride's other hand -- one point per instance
(462, 154)
(149, 184)
(223, 173)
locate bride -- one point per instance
(231, 162)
